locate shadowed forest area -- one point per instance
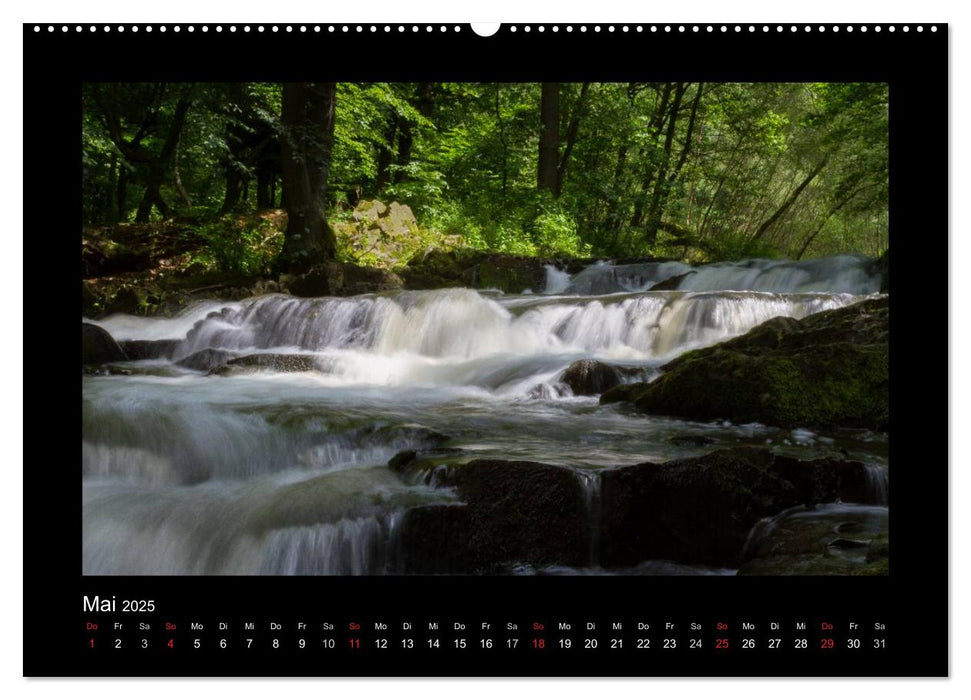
(241, 180)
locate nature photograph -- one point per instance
(540, 329)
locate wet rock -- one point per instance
(272, 362)
(402, 460)
(367, 280)
(435, 540)
(517, 513)
(830, 540)
(207, 360)
(341, 279)
(881, 267)
(149, 349)
(418, 465)
(691, 440)
(590, 377)
(511, 274)
(830, 369)
(98, 347)
(671, 283)
(700, 510)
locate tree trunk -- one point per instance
(502, 141)
(177, 177)
(234, 189)
(549, 137)
(308, 134)
(153, 195)
(121, 196)
(571, 136)
(385, 154)
(112, 188)
(660, 180)
(158, 165)
(406, 141)
(424, 103)
(790, 200)
(665, 182)
(839, 205)
(264, 185)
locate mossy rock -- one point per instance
(512, 274)
(700, 510)
(828, 370)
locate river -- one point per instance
(268, 472)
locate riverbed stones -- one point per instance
(98, 347)
(828, 370)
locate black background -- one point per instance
(912, 601)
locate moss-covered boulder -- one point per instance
(512, 274)
(98, 347)
(339, 279)
(828, 370)
(700, 510)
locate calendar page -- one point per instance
(546, 350)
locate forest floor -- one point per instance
(159, 268)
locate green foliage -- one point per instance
(238, 246)
(695, 171)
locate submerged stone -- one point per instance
(273, 362)
(590, 377)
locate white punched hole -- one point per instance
(485, 28)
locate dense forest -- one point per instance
(693, 171)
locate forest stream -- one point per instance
(258, 439)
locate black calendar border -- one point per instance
(913, 598)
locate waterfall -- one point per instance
(876, 485)
(849, 274)
(348, 547)
(557, 280)
(413, 336)
(590, 481)
(266, 471)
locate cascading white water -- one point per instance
(850, 274)
(283, 473)
(877, 489)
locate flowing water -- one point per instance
(284, 472)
